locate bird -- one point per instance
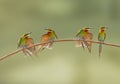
(85, 36)
(27, 43)
(101, 38)
(49, 37)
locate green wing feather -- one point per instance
(54, 34)
(78, 34)
(21, 42)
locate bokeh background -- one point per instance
(64, 64)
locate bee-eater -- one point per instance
(101, 38)
(49, 37)
(26, 42)
(86, 37)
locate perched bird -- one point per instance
(50, 36)
(26, 42)
(79, 36)
(85, 36)
(101, 38)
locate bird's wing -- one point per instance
(99, 37)
(55, 35)
(78, 34)
(19, 42)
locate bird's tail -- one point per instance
(100, 49)
(83, 45)
(88, 46)
(40, 48)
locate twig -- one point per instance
(62, 40)
(10, 54)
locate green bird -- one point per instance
(50, 36)
(101, 38)
(86, 37)
(26, 42)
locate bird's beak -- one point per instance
(48, 29)
(89, 28)
(29, 33)
(106, 28)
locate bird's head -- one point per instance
(27, 34)
(50, 31)
(87, 29)
(102, 29)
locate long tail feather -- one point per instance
(89, 49)
(83, 45)
(100, 49)
(40, 48)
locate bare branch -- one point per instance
(62, 40)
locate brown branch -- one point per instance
(10, 54)
(64, 40)
(97, 42)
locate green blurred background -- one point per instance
(64, 64)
